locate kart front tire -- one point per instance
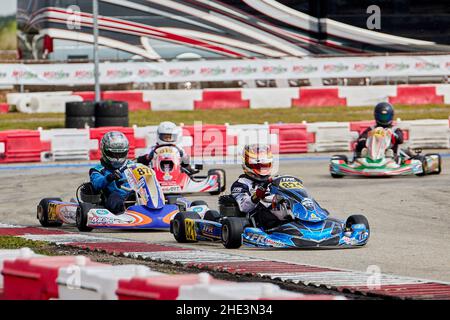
(232, 229)
(198, 203)
(81, 217)
(42, 213)
(178, 226)
(336, 176)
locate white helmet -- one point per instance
(167, 133)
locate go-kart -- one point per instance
(305, 224)
(174, 179)
(146, 207)
(377, 159)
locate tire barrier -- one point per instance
(253, 98)
(211, 140)
(80, 114)
(25, 275)
(111, 113)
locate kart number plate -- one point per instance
(291, 185)
(52, 214)
(189, 226)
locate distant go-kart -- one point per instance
(377, 159)
(146, 208)
(307, 224)
(174, 179)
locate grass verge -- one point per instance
(235, 116)
(40, 247)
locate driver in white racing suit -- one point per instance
(251, 186)
(168, 134)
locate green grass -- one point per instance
(237, 116)
(8, 37)
(40, 247)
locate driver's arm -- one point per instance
(241, 193)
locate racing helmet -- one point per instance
(384, 114)
(114, 147)
(167, 133)
(257, 161)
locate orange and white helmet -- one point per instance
(257, 161)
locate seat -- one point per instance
(88, 194)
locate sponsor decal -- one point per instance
(212, 71)
(426, 66)
(118, 73)
(25, 75)
(189, 226)
(304, 69)
(396, 66)
(365, 67)
(208, 229)
(262, 239)
(335, 67)
(84, 74)
(56, 75)
(101, 212)
(243, 70)
(181, 72)
(274, 69)
(149, 73)
(236, 190)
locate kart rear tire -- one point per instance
(440, 162)
(81, 216)
(178, 226)
(42, 213)
(198, 203)
(357, 219)
(340, 157)
(336, 176)
(232, 229)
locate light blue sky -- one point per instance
(8, 7)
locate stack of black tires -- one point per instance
(102, 114)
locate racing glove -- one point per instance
(259, 194)
(114, 176)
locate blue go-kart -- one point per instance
(305, 223)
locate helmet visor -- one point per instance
(116, 154)
(263, 169)
(167, 137)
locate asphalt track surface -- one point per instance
(409, 216)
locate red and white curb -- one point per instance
(380, 285)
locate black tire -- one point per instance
(111, 109)
(81, 216)
(336, 176)
(232, 229)
(340, 157)
(357, 219)
(178, 226)
(80, 122)
(198, 203)
(80, 109)
(212, 215)
(440, 162)
(42, 213)
(111, 122)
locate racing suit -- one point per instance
(185, 160)
(397, 139)
(104, 180)
(242, 191)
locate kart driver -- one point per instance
(108, 176)
(384, 116)
(168, 134)
(251, 186)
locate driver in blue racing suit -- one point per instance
(251, 186)
(107, 177)
(384, 116)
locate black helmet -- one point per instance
(384, 114)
